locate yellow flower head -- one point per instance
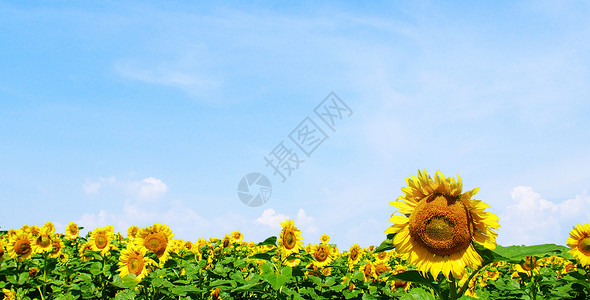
(21, 245)
(56, 247)
(101, 240)
(43, 241)
(324, 238)
(72, 231)
(236, 237)
(133, 260)
(9, 294)
(156, 238)
(439, 224)
(354, 255)
(50, 227)
(323, 255)
(290, 240)
(215, 294)
(579, 241)
(132, 232)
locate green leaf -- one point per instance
(416, 277)
(269, 241)
(126, 295)
(488, 255)
(129, 281)
(182, 290)
(263, 256)
(386, 245)
(22, 278)
(516, 253)
(96, 268)
(250, 287)
(417, 294)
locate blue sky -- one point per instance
(130, 113)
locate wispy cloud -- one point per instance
(530, 219)
(184, 78)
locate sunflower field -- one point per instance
(441, 245)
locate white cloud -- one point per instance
(92, 187)
(167, 75)
(151, 188)
(271, 218)
(304, 222)
(533, 220)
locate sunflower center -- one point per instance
(367, 271)
(156, 242)
(441, 224)
(584, 245)
(439, 229)
(135, 265)
(101, 241)
(289, 240)
(56, 248)
(22, 247)
(321, 255)
(354, 254)
(44, 241)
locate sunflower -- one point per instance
(324, 238)
(83, 252)
(439, 224)
(323, 255)
(1, 248)
(132, 232)
(290, 240)
(57, 246)
(101, 240)
(35, 230)
(189, 246)
(133, 259)
(380, 268)
(155, 238)
(20, 245)
(382, 256)
(43, 241)
(354, 255)
(9, 294)
(50, 227)
(236, 237)
(72, 231)
(368, 271)
(215, 294)
(579, 241)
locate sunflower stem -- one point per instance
(44, 273)
(453, 289)
(533, 283)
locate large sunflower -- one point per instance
(290, 240)
(155, 238)
(354, 255)
(579, 241)
(43, 241)
(133, 259)
(323, 254)
(72, 231)
(101, 240)
(20, 245)
(439, 224)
